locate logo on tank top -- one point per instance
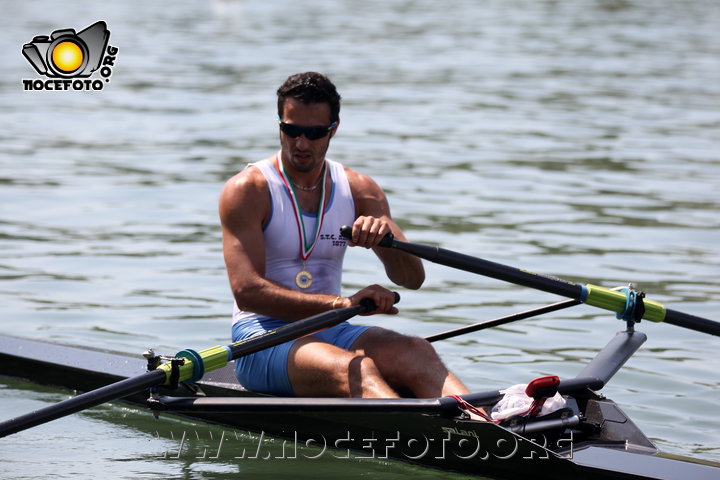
(337, 240)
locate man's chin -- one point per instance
(303, 163)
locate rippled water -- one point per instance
(578, 139)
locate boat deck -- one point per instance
(85, 369)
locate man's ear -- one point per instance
(332, 132)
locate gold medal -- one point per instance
(303, 279)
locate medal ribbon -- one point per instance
(305, 248)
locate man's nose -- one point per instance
(302, 141)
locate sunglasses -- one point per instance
(311, 133)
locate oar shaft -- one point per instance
(217, 357)
(692, 322)
(492, 269)
(93, 398)
(298, 329)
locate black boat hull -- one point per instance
(431, 432)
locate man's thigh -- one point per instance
(401, 359)
(382, 345)
(317, 368)
(343, 335)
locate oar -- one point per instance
(601, 297)
(192, 370)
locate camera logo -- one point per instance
(68, 57)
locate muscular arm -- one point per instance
(373, 223)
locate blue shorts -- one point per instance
(266, 371)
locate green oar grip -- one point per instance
(197, 363)
(615, 301)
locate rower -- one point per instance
(280, 221)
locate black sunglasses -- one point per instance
(311, 133)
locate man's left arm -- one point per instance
(373, 222)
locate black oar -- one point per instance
(192, 370)
(601, 297)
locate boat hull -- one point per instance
(431, 432)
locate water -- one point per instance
(577, 139)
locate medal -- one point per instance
(304, 278)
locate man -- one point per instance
(283, 252)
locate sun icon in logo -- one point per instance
(67, 56)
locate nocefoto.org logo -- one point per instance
(68, 58)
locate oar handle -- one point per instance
(367, 305)
(387, 241)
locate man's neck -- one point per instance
(303, 181)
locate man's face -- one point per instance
(302, 154)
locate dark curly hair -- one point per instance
(310, 87)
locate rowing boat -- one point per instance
(591, 437)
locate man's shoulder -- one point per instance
(359, 181)
(250, 178)
(244, 188)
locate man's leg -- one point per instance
(319, 369)
(408, 363)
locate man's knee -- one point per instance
(363, 375)
(353, 374)
(413, 349)
(361, 367)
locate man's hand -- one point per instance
(383, 298)
(368, 231)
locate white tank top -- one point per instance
(282, 243)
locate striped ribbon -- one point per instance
(306, 247)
